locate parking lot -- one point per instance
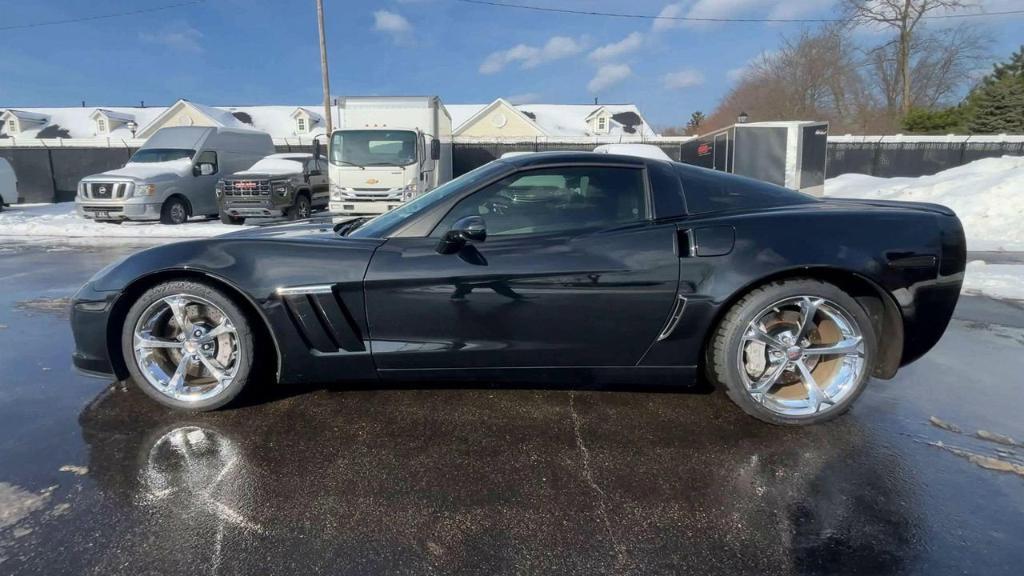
(921, 477)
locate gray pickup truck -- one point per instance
(291, 184)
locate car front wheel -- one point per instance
(300, 210)
(794, 352)
(188, 345)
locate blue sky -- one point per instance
(225, 52)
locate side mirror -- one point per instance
(465, 229)
(205, 169)
(435, 149)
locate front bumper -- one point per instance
(360, 207)
(119, 211)
(253, 207)
(90, 315)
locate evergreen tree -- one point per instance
(998, 107)
(694, 124)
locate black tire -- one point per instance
(246, 342)
(725, 347)
(174, 211)
(229, 219)
(300, 210)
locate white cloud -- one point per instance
(609, 75)
(524, 98)
(556, 48)
(394, 24)
(181, 37)
(669, 11)
(616, 49)
(705, 12)
(686, 78)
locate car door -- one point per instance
(316, 176)
(573, 273)
(203, 198)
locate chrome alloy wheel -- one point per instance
(186, 347)
(801, 356)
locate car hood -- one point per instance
(261, 175)
(147, 171)
(311, 228)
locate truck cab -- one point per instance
(388, 151)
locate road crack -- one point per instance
(588, 476)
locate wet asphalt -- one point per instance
(96, 479)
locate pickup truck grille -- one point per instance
(246, 188)
(106, 190)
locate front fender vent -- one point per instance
(322, 318)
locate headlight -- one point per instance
(81, 189)
(144, 190)
(408, 192)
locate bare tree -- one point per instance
(904, 16)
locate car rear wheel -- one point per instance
(174, 211)
(794, 352)
(188, 345)
(300, 209)
(229, 219)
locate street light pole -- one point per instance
(323, 67)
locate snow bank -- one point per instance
(1004, 281)
(59, 221)
(987, 195)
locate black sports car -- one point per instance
(546, 267)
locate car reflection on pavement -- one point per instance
(375, 478)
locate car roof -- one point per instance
(544, 158)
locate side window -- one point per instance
(208, 157)
(710, 191)
(556, 200)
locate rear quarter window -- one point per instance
(712, 191)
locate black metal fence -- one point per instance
(52, 174)
(911, 159)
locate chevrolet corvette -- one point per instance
(556, 267)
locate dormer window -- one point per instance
(301, 124)
(602, 124)
(101, 125)
(12, 126)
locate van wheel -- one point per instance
(300, 209)
(229, 219)
(175, 211)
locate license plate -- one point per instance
(347, 207)
(102, 214)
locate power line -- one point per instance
(101, 16)
(700, 19)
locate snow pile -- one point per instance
(1004, 281)
(28, 221)
(987, 195)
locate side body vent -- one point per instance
(323, 320)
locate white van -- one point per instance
(172, 176)
(8, 184)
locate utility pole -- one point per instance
(323, 67)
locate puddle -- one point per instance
(995, 451)
(60, 307)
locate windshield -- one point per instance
(373, 148)
(384, 224)
(147, 155)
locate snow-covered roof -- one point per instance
(556, 120)
(566, 120)
(25, 115)
(119, 116)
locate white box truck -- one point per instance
(388, 150)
